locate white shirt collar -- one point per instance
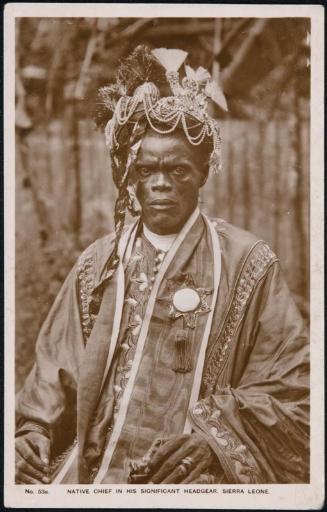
(160, 242)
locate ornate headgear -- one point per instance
(186, 107)
(135, 103)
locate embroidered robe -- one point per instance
(253, 403)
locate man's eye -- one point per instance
(144, 172)
(179, 171)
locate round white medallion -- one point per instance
(186, 300)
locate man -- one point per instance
(174, 352)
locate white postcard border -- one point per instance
(286, 496)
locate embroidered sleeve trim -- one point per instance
(88, 294)
(235, 457)
(253, 270)
(86, 282)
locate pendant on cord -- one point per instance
(186, 301)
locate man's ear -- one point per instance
(204, 174)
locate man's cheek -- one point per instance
(140, 191)
(185, 190)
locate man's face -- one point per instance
(168, 173)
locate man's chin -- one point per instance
(162, 222)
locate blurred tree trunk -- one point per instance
(74, 206)
(299, 198)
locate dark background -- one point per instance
(64, 192)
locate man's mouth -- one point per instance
(162, 204)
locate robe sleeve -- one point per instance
(259, 426)
(47, 400)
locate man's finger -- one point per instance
(25, 452)
(196, 472)
(174, 460)
(182, 470)
(23, 478)
(187, 450)
(205, 478)
(176, 476)
(23, 467)
(169, 447)
(42, 448)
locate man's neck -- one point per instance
(162, 242)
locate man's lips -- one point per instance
(162, 204)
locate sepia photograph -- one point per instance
(162, 236)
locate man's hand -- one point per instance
(32, 458)
(181, 460)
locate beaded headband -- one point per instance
(188, 102)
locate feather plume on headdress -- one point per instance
(199, 75)
(140, 67)
(136, 69)
(214, 92)
(171, 60)
(106, 102)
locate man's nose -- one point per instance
(161, 181)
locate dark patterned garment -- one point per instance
(142, 267)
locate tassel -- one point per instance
(182, 363)
(171, 60)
